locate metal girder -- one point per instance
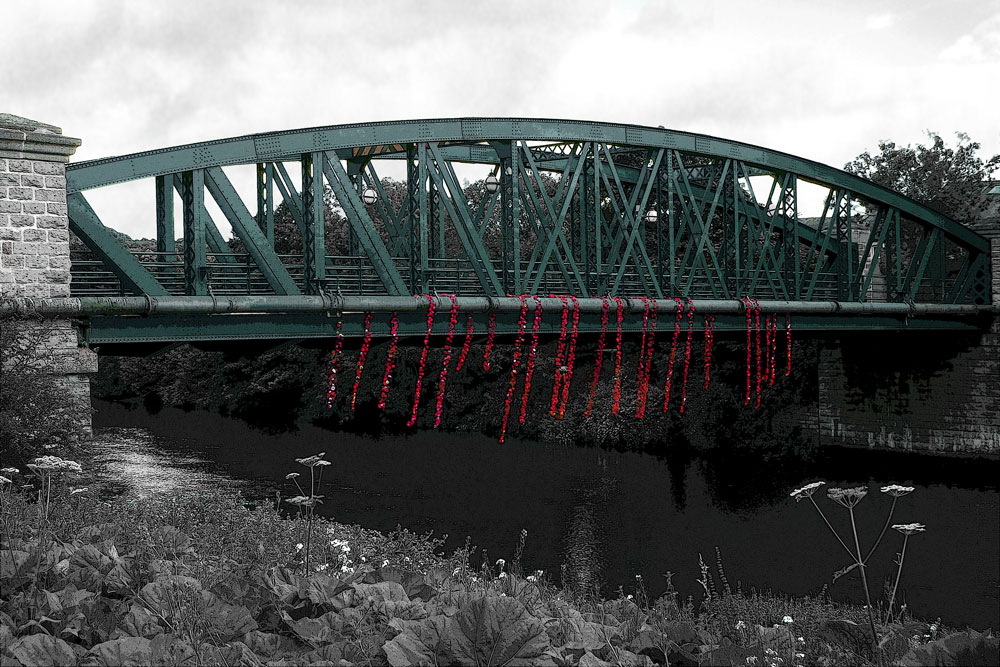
(213, 236)
(363, 226)
(246, 228)
(83, 222)
(314, 245)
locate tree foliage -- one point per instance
(946, 179)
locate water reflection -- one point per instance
(606, 515)
(132, 463)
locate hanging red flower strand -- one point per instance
(560, 358)
(390, 360)
(773, 349)
(648, 351)
(756, 313)
(522, 322)
(599, 361)
(678, 316)
(570, 358)
(709, 344)
(616, 392)
(687, 354)
(338, 347)
(491, 332)
(748, 309)
(365, 344)
(431, 305)
(529, 371)
(642, 358)
(443, 378)
(788, 343)
(767, 349)
(470, 328)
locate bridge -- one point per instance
(560, 207)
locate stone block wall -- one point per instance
(34, 255)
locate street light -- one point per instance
(369, 196)
(651, 216)
(492, 184)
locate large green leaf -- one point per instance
(495, 631)
(38, 651)
(326, 629)
(11, 562)
(960, 648)
(128, 652)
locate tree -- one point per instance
(949, 180)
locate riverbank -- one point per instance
(205, 577)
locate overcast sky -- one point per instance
(822, 80)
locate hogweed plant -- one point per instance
(306, 503)
(849, 499)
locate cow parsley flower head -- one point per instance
(910, 528)
(806, 491)
(847, 497)
(896, 491)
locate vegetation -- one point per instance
(206, 580)
(951, 181)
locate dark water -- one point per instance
(607, 515)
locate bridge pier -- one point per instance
(916, 392)
(35, 262)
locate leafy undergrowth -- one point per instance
(206, 581)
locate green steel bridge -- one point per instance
(566, 207)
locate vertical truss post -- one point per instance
(422, 213)
(847, 257)
(435, 242)
(193, 196)
(354, 171)
(509, 217)
(165, 218)
(671, 224)
(314, 248)
(412, 207)
(790, 236)
(265, 200)
(731, 234)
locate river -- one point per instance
(607, 515)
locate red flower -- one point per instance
(616, 392)
(366, 343)
(570, 358)
(649, 318)
(470, 328)
(390, 360)
(678, 316)
(491, 332)
(687, 354)
(431, 305)
(600, 357)
(560, 359)
(443, 378)
(530, 370)
(788, 343)
(756, 312)
(338, 347)
(521, 323)
(709, 343)
(748, 309)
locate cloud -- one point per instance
(981, 46)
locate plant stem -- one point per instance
(880, 535)
(835, 534)
(864, 582)
(899, 572)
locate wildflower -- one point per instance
(532, 578)
(54, 464)
(304, 501)
(385, 563)
(501, 562)
(847, 497)
(787, 619)
(800, 655)
(751, 660)
(9, 471)
(628, 597)
(502, 575)
(910, 528)
(740, 625)
(895, 490)
(291, 475)
(311, 461)
(323, 567)
(299, 546)
(323, 463)
(73, 492)
(4, 480)
(801, 640)
(806, 491)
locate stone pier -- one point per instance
(34, 262)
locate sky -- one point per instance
(825, 81)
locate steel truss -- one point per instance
(587, 209)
